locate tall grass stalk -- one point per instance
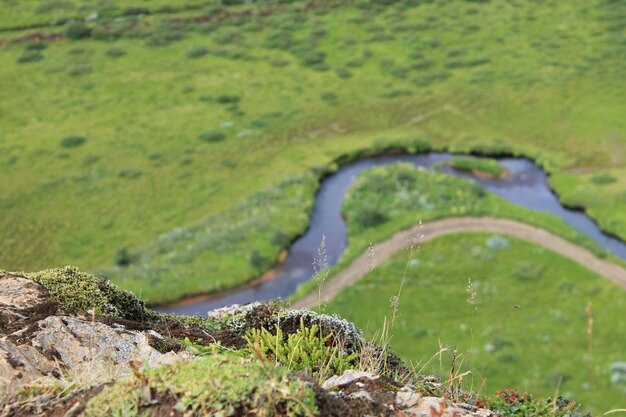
(320, 271)
(589, 312)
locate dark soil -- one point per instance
(70, 406)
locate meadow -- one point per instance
(182, 119)
(515, 312)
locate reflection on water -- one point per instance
(526, 186)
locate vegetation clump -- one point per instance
(30, 56)
(308, 350)
(485, 167)
(83, 292)
(73, 141)
(222, 384)
(77, 30)
(212, 136)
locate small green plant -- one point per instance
(30, 56)
(212, 136)
(228, 99)
(115, 52)
(123, 257)
(603, 179)
(73, 141)
(77, 30)
(35, 46)
(370, 216)
(306, 350)
(329, 97)
(197, 52)
(343, 73)
(257, 260)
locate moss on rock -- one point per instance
(222, 384)
(84, 292)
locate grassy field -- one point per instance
(148, 125)
(525, 325)
(15, 14)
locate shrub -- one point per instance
(280, 238)
(77, 30)
(35, 46)
(123, 257)
(129, 174)
(354, 63)
(329, 97)
(165, 34)
(278, 62)
(279, 40)
(228, 99)
(257, 260)
(227, 36)
(197, 52)
(343, 73)
(212, 136)
(467, 63)
(115, 52)
(370, 216)
(73, 141)
(312, 58)
(603, 179)
(428, 79)
(421, 64)
(30, 56)
(79, 70)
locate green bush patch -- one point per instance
(213, 136)
(484, 167)
(73, 141)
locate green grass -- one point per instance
(233, 248)
(234, 384)
(543, 81)
(16, 14)
(479, 166)
(526, 328)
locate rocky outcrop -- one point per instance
(40, 338)
(63, 328)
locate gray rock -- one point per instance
(36, 340)
(349, 376)
(407, 398)
(361, 395)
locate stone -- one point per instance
(38, 338)
(406, 398)
(349, 376)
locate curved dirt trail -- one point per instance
(431, 230)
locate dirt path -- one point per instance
(400, 240)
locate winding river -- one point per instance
(526, 185)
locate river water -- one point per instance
(526, 185)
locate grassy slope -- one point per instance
(16, 14)
(526, 347)
(545, 81)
